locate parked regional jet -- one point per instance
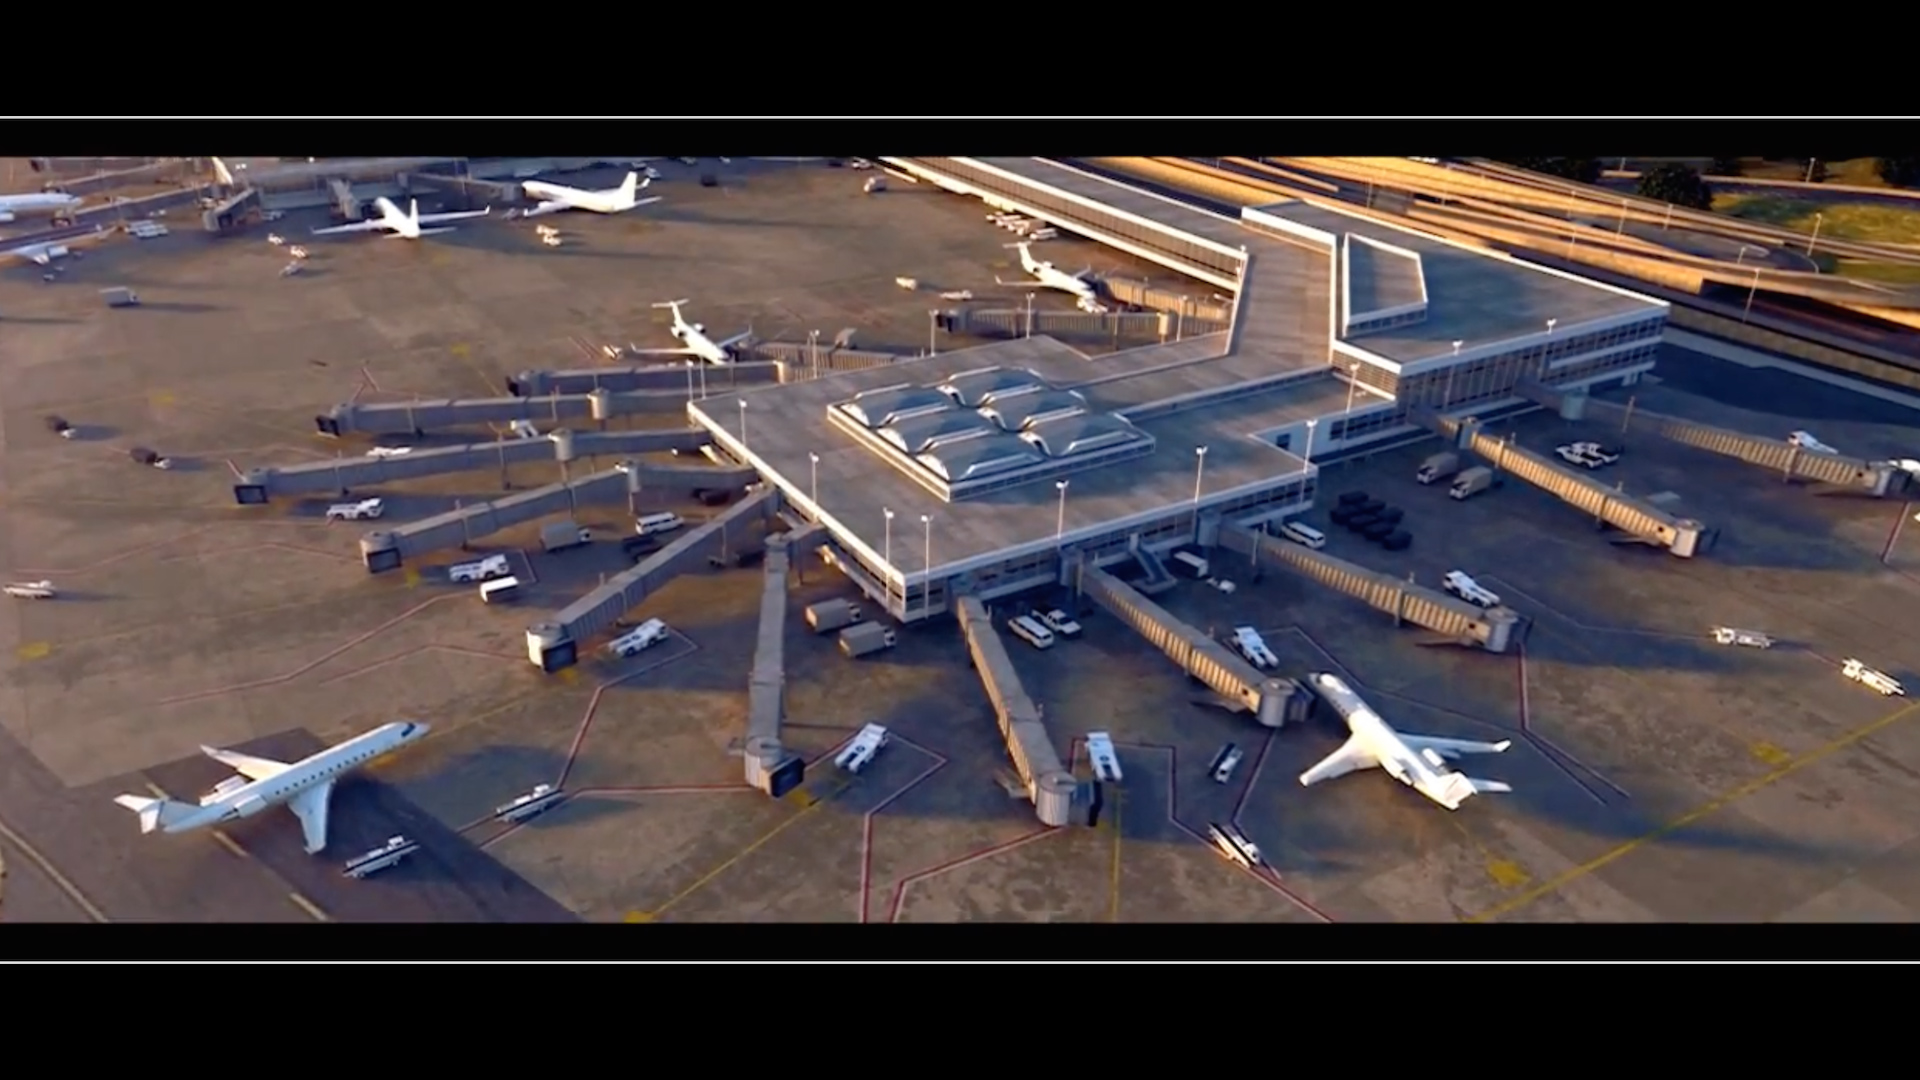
(407, 225)
(44, 202)
(555, 197)
(695, 335)
(304, 786)
(1045, 275)
(46, 251)
(1418, 761)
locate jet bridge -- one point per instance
(1643, 521)
(1876, 478)
(555, 643)
(256, 486)
(1048, 783)
(770, 766)
(665, 377)
(1275, 702)
(388, 549)
(420, 417)
(1493, 629)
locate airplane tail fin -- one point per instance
(413, 210)
(154, 813)
(631, 185)
(222, 173)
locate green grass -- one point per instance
(1865, 222)
(1858, 172)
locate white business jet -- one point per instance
(45, 202)
(406, 226)
(1046, 276)
(304, 786)
(696, 339)
(556, 197)
(1418, 761)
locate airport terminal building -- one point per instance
(991, 470)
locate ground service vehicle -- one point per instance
(391, 853)
(1224, 763)
(1472, 482)
(639, 639)
(862, 639)
(1058, 621)
(1438, 467)
(664, 521)
(1878, 681)
(1753, 639)
(561, 535)
(1462, 585)
(1106, 763)
(486, 569)
(1305, 535)
(862, 749)
(1029, 630)
(356, 511)
(828, 615)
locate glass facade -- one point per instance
(1098, 221)
(1367, 326)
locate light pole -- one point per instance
(813, 351)
(1816, 235)
(1060, 515)
(1311, 424)
(813, 493)
(1546, 348)
(1446, 396)
(1180, 321)
(1812, 164)
(933, 329)
(1199, 474)
(1740, 258)
(926, 580)
(1029, 315)
(889, 541)
(1748, 310)
(743, 423)
(689, 364)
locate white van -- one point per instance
(493, 566)
(649, 524)
(1030, 631)
(1305, 535)
(500, 590)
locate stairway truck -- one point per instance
(562, 535)
(1473, 481)
(1438, 467)
(862, 639)
(829, 615)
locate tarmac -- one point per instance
(1658, 776)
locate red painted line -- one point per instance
(122, 557)
(593, 705)
(866, 828)
(415, 651)
(1271, 879)
(276, 680)
(1253, 777)
(900, 888)
(1549, 749)
(1893, 535)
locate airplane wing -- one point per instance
(358, 226)
(660, 352)
(644, 202)
(1352, 755)
(460, 215)
(1452, 748)
(735, 339)
(253, 768)
(310, 806)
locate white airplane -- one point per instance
(303, 786)
(1418, 761)
(406, 226)
(35, 202)
(555, 197)
(1045, 275)
(697, 342)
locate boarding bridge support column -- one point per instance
(1876, 478)
(344, 199)
(770, 766)
(1048, 783)
(388, 549)
(1238, 686)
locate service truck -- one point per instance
(830, 615)
(863, 638)
(1438, 467)
(562, 535)
(1473, 481)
